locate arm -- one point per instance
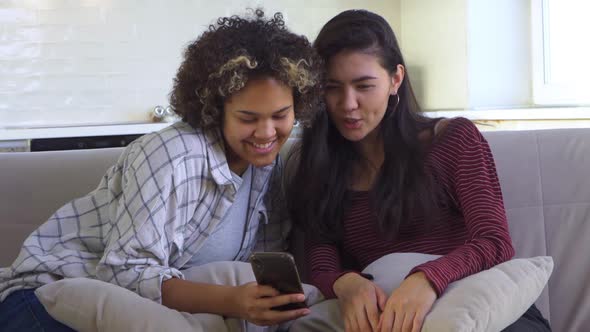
(146, 221)
(479, 198)
(250, 301)
(474, 185)
(360, 299)
(326, 270)
(151, 210)
(325, 266)
(192, 297)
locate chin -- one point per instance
(263, 161)
(348, 134)
(353, 137)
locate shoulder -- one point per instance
(457, 132)
(168, 148)
(458, 142)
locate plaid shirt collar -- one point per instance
(218, 162)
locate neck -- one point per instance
(371, 149)
(235, 163)
(373, 155)
(238, 167)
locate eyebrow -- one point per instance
(246, 112)
(356, 80)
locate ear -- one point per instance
(396, 79)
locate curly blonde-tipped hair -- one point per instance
(222, 60)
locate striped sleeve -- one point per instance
(479, 198)
(325, 266)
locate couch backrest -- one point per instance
(545, 179)
(33, 185)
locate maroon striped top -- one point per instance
(470, 232)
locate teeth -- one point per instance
(262, 146)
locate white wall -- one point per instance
(434, 44)
(73, 62)
(468, 54)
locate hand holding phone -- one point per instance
(278, 270)
(256, 304)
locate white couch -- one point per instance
(545, 178)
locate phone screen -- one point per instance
(278, 270)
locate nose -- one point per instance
(348, 100)
(265, 129)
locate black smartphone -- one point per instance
(278, 270)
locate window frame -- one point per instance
(545, 92)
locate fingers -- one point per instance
(357, 319)
(381, 298)
(264, 298)
(275, 301)
(373, 316)
(274, 317)
(408, 323)
(347, 324)
(267, 291)
(386, 323)
(418, 321)
(363, 321)
(268, 316)
(353, 324)
(398, 322)
(401, 322)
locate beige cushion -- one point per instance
(487, 301)
(93, 305)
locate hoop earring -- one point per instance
(392, 110)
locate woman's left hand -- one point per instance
(408, 305)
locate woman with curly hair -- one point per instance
(200, 191)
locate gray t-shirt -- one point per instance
(225, 242)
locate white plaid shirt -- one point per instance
(150, 214)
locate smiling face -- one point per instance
(257, 121)
(357, 93)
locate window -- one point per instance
(561, 53)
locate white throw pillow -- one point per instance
(95, 306)
(92, 305)
(489, 300)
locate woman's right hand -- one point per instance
(361, 301)
(253, 303)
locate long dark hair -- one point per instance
(318, 187)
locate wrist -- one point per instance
(230, 299)
(420, 275)
(341, 284)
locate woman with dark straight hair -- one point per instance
(373, 176)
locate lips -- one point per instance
(352, 123)
(263, 148)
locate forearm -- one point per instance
(192, 297)
(325, 267)
(468, 259)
